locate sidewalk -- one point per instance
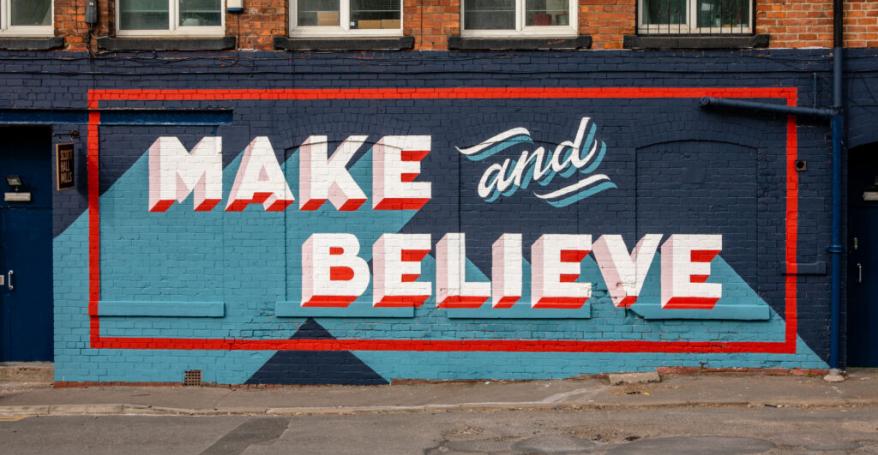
(708, 389)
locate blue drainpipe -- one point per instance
(836, 248)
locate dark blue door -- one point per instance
(862, 282)
(26, 245)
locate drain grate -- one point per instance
(192, 377)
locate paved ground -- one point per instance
(683, 414)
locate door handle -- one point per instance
(9, 276)
(859, 272)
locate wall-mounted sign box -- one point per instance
(64, 165)
(17, 197)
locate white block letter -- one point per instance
(260, 180)
(395, 166)
(506, 274)
(452, 289)
(556, 267)
(396, 264)
(332, 273)
(175, 173)
(624, 273)
(685, 270)
(322, 178)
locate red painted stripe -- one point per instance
(329, 301)
(98, 342)
(787, 93)
(443, 345)
(94, 224)
(792, 237)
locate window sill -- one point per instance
(696, 41)
(114, 44)
(398, 43)
(460, 43)
(30, 43)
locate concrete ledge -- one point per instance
(27, 372)
(519, 44)
(31, 44)
(113, 44)
(695, 41)
(344, 44)
(634, 378)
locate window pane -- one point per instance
(366, 14)
(31, 12)
(318, 13)
(731, 14)
(547, 12)
(489, 14)
(143, 14)
(664, 12)
(200, 13)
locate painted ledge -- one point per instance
(344, 44)
(735, 312)
(294, 309)
(31, 44)
(115, 44)
(167, 309)
(459, 43)
(695, 41)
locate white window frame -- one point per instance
(6, 29)
(524, 30)
(689, 27)
(174, 29)
(344, 29)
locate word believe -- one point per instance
(334, 275)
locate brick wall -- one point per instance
(861, 23)
(791, 23)
(607, 21)
(795, 23)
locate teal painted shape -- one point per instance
(286, 309)
(522, 309)
(162, 309)
(739, 301)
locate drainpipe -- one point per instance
(836, 248)
(836, 116)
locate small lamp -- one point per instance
(14, 181)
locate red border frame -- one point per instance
(95, 97)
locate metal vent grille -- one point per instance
(192, 377)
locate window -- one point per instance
(26, 17)
(346, 17)
(695, 16)
(515, 17)
(170, 17)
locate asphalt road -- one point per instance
(722, 430)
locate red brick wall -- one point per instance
(861, 23)
(260, 22)
(795, 23)
(790, 23)
(607, 21)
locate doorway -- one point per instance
(862, 279)
(26, 244)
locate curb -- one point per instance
(145, 410)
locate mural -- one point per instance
(359, 236)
